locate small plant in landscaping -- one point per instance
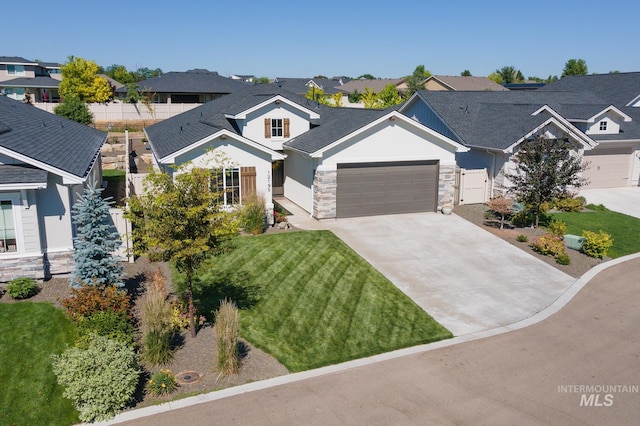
(557, 227)
(99, 379)
(22, 288)
(522, 238)
(180, 316)
(227, 328)
(156, 323)
(548, 245)
(89, 299)
(569, 204)
(253, 214)
(502, 206)
(110, 324)
(279, 217)
(596, 244)
(563, 259)
(162, 382)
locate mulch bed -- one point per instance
(475, 213)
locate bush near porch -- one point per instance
(311, 301)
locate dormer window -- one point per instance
(603, 126)
(276, 128)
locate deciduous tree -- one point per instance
(179, 219)
(415, 81)
(575, 67)
(79, 80)
(546, 169)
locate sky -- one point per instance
(289, 38)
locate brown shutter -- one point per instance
(287, 133)
(247, 181)
(267, 128)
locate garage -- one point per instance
(608, 168)
(368, 189)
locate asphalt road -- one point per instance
(522, 377)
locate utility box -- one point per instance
(574, 241)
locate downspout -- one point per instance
(492, 176)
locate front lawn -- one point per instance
(625, 230)
(29, 334)
(310, 301)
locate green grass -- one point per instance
(29, 334)
(310, 301)
(625, 230)
(113, 175)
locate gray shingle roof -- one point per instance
(195, 81)
(15, 60)
(21, 174)
(299, 85)
(618, 89)
(62, 144)
(468, 83)
(41, 82)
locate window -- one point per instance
(603, 126)
(227, 183)
(16, 93)
(276, 127)
(8, 242)
(15, 69)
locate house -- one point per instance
(20, 77)
(332, 162)
(245, 78)
(461, 83)
(45, 161)
(193, 86)
(493, 124)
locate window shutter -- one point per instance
(247, 181)
(287, 133)
(267, 128)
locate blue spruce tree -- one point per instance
(95, 240)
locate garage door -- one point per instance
(608, 168)
(367, 189)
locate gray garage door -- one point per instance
(367, 189)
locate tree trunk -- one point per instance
(192, 323)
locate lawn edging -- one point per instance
(553, 308)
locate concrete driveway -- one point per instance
(624, 200)
(468, 279)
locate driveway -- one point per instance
(468, 279)
(624, 200)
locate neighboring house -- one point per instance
(20, 77)
(45, 161)
(493, 124)
(301, 86)
(362, 85)
(338, 162)
(461, 83)
(243, 78)
(193, 86)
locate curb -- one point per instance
(553, 308)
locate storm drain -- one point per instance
(188, 377)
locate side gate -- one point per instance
(472, 186)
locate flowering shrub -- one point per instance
(162, 382)
(596, 244)
(99, 379)
(548, 245)
(180, 316)
(279, 217)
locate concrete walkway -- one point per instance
(532, 372)
(624, 200)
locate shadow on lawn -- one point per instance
(236, 287)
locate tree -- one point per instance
(179, 219)
(389, 96)
(337, 99)
(95, 242)
(495, 76)
(466, 73)
(546, 169)
(74, 109)
(146, 73)
(120, 74)
(366, 77)
(416, 80)
(261, 80)
(502, 206)
(79, 79)
(355, 96)
(370, 99)
(575, 67)
(133, 96)
(510, 74)
(316, 95)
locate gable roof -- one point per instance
(38, 82)
(22, 176)
(177, 133)
(615, 89)
(16, 60)
(467, 83)
(497, 120)
(375, 85)
(47, 141)
(193, 81)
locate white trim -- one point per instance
(393, 115)
(68, 178)
(16, 207)
(278, 98)
(171, 159)
(22, 186)
(635, 102)
(625, 117)
(552, 120)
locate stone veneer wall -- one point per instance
(37, 267)
(446, 185)
(325, 183)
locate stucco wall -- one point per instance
(253, 126)
(298, 179)
(54, 215)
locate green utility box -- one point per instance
(574, 241)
